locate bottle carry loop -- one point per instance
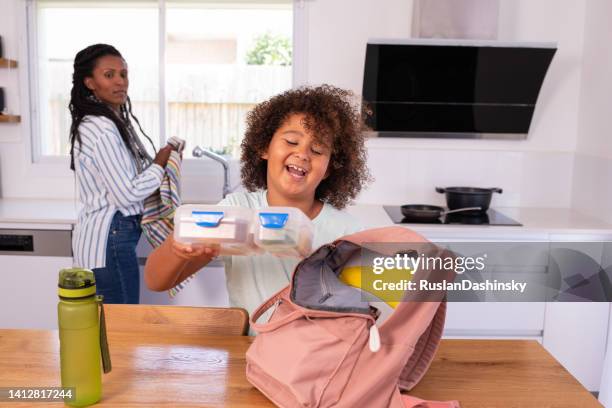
(106, 359)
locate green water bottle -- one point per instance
(82, 336)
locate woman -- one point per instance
(114, 173)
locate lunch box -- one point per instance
(227, 226)
(283, 231)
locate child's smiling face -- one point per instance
(297, 163)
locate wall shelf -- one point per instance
(10, 118)
(7, 63)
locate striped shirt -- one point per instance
(107, 181)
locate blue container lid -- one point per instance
(208, 219)
(273, 220)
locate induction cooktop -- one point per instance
(490, 217)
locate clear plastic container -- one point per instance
(283, 231)
(229, 227)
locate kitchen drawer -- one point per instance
(531, 254)
(29, 298)
(30, 260)
(525, 319)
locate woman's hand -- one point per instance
(189, 252)
(163, 155)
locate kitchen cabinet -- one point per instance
(29, 286)
(518, 320)
(35, 243)
(29, 263)
(574, 333)
(523, 320)
(206, 288)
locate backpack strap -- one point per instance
(424, 350)
(427, 317)
(280, 296)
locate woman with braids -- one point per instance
(304, 149)
(114, 173)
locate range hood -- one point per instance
(453, 88)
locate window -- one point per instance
(65, 28)
(219, 60)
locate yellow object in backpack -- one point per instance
(352, 276)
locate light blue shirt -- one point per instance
(106, 181)
(253, 279)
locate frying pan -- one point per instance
(423, 212)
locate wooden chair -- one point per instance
(180, 320)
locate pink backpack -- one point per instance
(322, 348)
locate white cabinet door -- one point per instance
(206, 288)
(575, 334)
(493, 320)
(508, 257)
(29, 291)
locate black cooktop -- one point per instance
(491, 217)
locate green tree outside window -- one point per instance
(270, 49)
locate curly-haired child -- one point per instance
(303, 148)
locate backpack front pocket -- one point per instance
(308, 358)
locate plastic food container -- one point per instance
(230, 227)
(283, 231)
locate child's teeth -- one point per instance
(299, 169)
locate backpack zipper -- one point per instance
(374, 335)
(324, 286)
(374, 340)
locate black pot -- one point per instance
(461, 197)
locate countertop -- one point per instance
(188, 370)
(32, 213)
(544, 222)
(537, 222)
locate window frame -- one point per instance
(55, 165)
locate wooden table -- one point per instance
(209, 372)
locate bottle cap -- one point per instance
(76, 283)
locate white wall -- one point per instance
(592, 192)
(19, 177)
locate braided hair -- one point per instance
(83, 102)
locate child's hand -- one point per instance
(193, 251)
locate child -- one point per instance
(303, 148)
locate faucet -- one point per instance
(199, 152)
